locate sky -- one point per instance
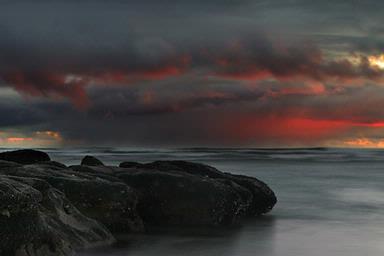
(160, 73)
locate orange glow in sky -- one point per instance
(377, 61)
(18, 139)
(39, 138)
(365, 143)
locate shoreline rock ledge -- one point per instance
(47, 208)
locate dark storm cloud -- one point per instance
(12, 115)
(256, 58)
(134, 34)
(170, 96)
(119, 116)
(17, 113)
(183, 72)
(47, 84)
(259, 59)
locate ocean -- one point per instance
(330, 203)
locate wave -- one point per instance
(318, 154)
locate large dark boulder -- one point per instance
(91, 161)
(185, 193)
(257, 197)
(179, 199)
(38, 220)
(25, 156)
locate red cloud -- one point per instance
(46, 84)
(290, 130)
(72, 86)
(129, 76)
(302, 63)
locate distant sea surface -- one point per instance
(330, 203)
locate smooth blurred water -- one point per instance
(330, 203)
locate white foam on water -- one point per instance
(361, 195)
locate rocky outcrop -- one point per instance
(107, 200)
(47, 208)
(25, 156)
(257, 197)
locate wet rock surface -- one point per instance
(47, 208)
(107, 200)
(37, 219)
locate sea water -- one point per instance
(330, 203)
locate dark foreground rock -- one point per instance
(47, 208)
(101, 197)
(37, 219)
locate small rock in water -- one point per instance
(25, 156)
(91, 161)
(128, 164)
